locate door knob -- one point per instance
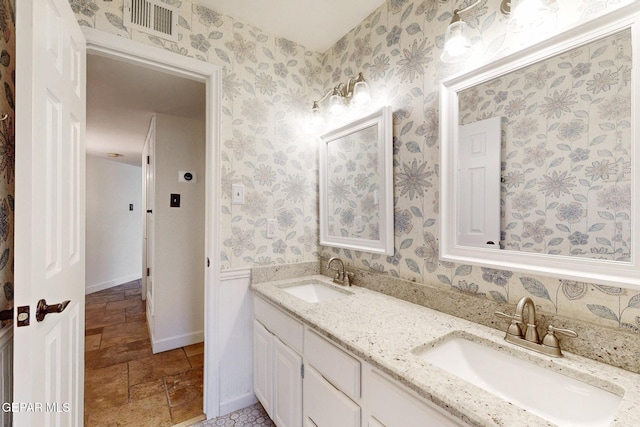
(43, 309)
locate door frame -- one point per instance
(132, 52)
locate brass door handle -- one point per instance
(43, 309)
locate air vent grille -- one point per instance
(152, 17)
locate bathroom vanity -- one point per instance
(327, 355)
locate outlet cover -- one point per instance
(272, 226)
(237, 194)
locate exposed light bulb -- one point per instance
(336, 105)
(361, 94)
(457, 45)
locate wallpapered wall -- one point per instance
(269, 83)
(268, 87)
(566, 165)
(7, 144)
(398, 48)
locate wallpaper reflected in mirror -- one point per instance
(353, 185)
(566, 141)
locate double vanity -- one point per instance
(369, 359)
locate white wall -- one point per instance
(113, 248)
(178, 279)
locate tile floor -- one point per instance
(125, 383)
(252, 416)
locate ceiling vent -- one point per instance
(152, 17)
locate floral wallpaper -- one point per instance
(269, 83)
(352, 162)
(7, 152)
(268, 87)
(397, 48)
(566, 165)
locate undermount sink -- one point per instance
(550, 395)
(314, 291)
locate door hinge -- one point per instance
(148, 160)
(208, 262)
(302, 371)
(148, 272)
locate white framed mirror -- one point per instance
(540, 157)
(356, 185)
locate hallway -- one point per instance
(125, 383)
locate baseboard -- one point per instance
(176, 342)
(110, 284)
(236, 403)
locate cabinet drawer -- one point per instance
(326, 406)
(281, 325)
(340, 369)
(392, 406)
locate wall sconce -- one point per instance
(457, 45)
(353, 94)
(525, 14)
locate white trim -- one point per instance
(111, 283)
(240, 273)
(234, 404)
(176, 341)
(384, 245)
(119, 48)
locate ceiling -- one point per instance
(121, 97)
(315, 24)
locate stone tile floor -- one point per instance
(251, 416)
(125, 383)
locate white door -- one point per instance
(148, 182)
(263, 366)
(50, 213)
(479, 183)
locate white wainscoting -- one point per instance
(6, 368)
(236, 329)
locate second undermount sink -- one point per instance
(314, 291)
(550, 395)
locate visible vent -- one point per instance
(152, 17)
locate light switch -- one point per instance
(175, 201)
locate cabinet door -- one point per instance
(263, 366)
(325, 405)
(391, 406)
(287, 399)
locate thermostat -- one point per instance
(186, 176)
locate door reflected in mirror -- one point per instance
(565, 163)
(569, 117)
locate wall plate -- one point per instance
(187, 176)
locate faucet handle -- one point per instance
(514, 327)
(550, 339)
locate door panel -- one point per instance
(50, 201)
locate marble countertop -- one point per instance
(383, 331)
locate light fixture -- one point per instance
(457, 45)
(524, 15)
(115, 155)
(355, 93)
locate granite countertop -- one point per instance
(383, 331)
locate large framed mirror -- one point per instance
(540, 157)
(356, 185)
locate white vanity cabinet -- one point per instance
(390, 404)
(331, 384)
(338, 388)
(277, 364)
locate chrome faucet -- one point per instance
(342, 277)
(530, 339)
